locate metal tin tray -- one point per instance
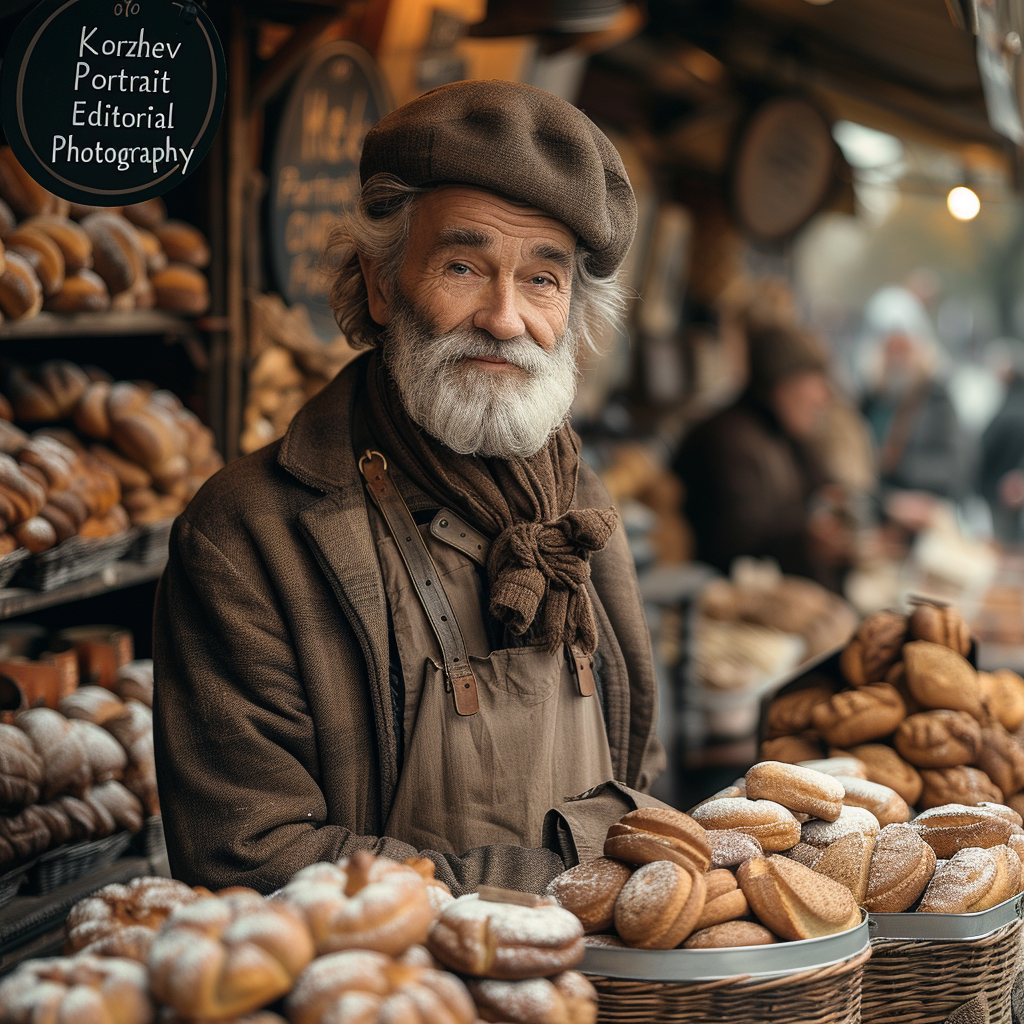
(693, 965)
(946, 927)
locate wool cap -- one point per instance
(775, 353)
(518, 142)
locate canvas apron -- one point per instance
(472, 780)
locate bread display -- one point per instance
(939, 677)
(859, 716)
(658, 833)
(796, 788)
(940, 624)
(874, 649)
(771, 824)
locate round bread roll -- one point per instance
(838, 764)
(848, 861)
(83, 291)
(590, 890)
(902, 865)
(796, 902)
(21, 770)
(156, 258)
(7, 220)
(955, 827)
(1002, 693)
(181, 289)
(147, 214)
(771, 824)
(792, 749)
(884, 803)
(790, 713)
(65, 759)
(963, 884)
(884, 766)
(1001, 758)
(183, 243)
(21, 191)
(796, 788)
(368, 986)
(941, 678)
(134, 681)
(67, 382)
(42, 252)
(567, 998)
(35, 534)
(857, 716)
(63, 527)
(116, 250)
(21, 294)
(363, 902)
(107, 758)
(939, 739)
(851, 819)
(108, 989)
(729, 848)
(941, 625)
(874, 649)
(960, 785)
(732, 933)
(660, 905)
(658, 833)
(723, 902)
(74, 243)
(229, 954)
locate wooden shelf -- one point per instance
(116, 576)
(128, 323)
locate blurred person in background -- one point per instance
(1001, 472)
(750, 473)
(906, 401)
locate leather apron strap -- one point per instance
(425, 578)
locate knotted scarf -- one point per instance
(538, 565)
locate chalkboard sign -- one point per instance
(107, 102)
(337, 98)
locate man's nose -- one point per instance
(499, 312)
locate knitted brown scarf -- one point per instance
(539, 562)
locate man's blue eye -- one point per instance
(542, 280)
(460, 268)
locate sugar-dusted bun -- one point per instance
(887, 768)
(796, 788)
(147, 214)
(658, 833)
(183, 242)
(962, 883)
(134, 681)
(85, 988)
(21, 770)
(940, 625)
(65, 760)
(1001, 810)
(1001, 758)
(504, 940)
(20, 190)
(731, 934)
(567, 998)
(848, 861)
(227, 955)
(960, 785)
(901, 866)
(790, 713)
(939, 677)
(796, 902)
(116, 251)
(181, 289)
(42, 252)
(939, 739)
(838, 764)
(884, 803)
(362, 902)
(724, 900)
(599, 941)
(874, 649)
(792, 749)
(857, 716)
(851, 819)
(21, 294)
(1016, 843)
(107, 758)
(1002, 693)
(660, 905)
(590, 890)
(955, 827)
(367, 986)
(730, 848)
(806, 854)
(771, 824)
(1007, 881)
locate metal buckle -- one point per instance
(368, 456)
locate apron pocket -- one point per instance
(529, 674)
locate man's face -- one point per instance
(479, 335)
(800, 402)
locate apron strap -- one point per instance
(425, 578)
(448, 528)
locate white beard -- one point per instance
(495, 414)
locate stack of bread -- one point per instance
(914, 712)
(708, 880)
(365, 939)
(154, 451)
(81, 259)
(83, 772)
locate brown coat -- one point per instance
(273, 721)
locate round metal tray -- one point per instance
(946, 927)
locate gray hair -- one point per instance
(378, 230)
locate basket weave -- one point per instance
(10, 883)
(74, 559)
(915, 981)
(822, 995)
(67, 864)
(9, 565)
(150, 546)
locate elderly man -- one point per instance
(413, 625)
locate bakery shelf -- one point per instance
(116, 576)
(127, 323)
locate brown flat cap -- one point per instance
(521, 143)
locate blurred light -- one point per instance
(865, 147)
(819, 3)
(963, 203)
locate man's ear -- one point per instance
(378, 302)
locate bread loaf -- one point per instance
(21, 770)
(790, 713)
(83, 291)
(117, 253)
(939, 739)
(887, 768)
(940, 678)
(956, 827)
(729, 848)
(20, 190)
(660, 905)
(857, 716)
(74, 243)
(962, 885)
(851, 819)
(941, 625)
(42, 252)
(65, 760)
(148, 214)
(183, 243)
(732, 933)
(590, 890)
(36, 534)
(107, 758)
(884, 803)
(658, 833)
(1002, 693)
(181, 289)
(66, 382)
(567, 997)
(838, 764)
(874, 649)
(796, 788)
(960, 785)
(771, 824)
(792, 749)
(902, 865)
(21, 294)
(848, 861)
(1001, 758)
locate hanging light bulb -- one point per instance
(963, 203)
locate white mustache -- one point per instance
(522, 352)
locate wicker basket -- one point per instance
(67, 864)
(74, 559)
(10, 883)
(9, 565)
(922, 981)
(818, 987)
(151, 543)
